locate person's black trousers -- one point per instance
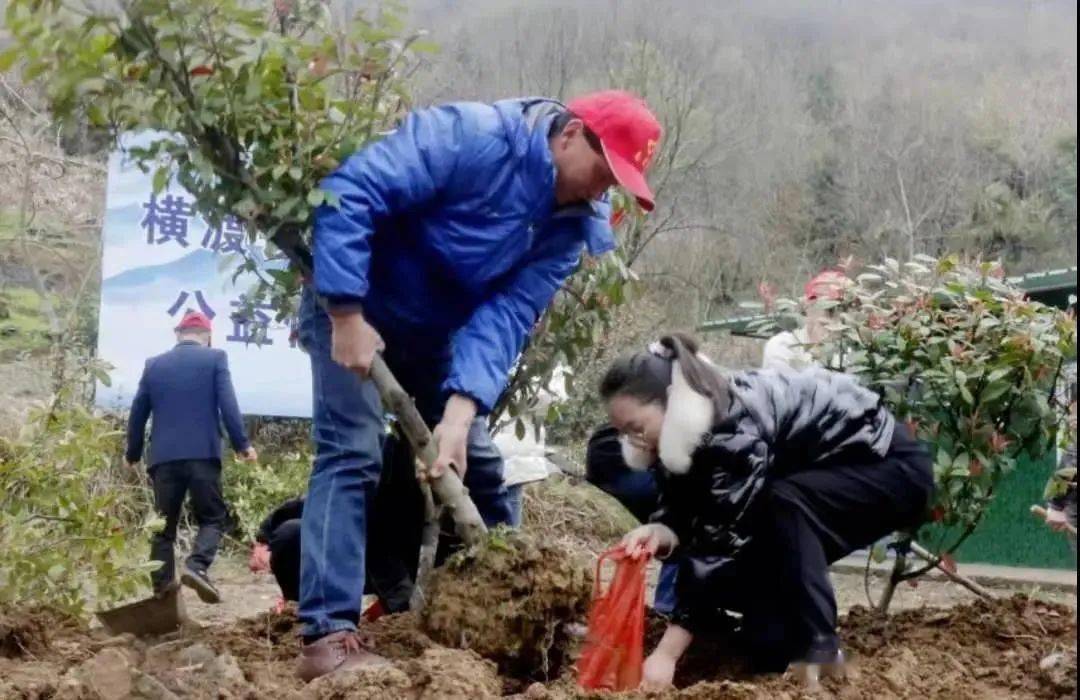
(807, 521)
(393, 590)
(393, 538)
(285, 558)
(172, 483)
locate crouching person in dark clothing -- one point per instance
(393, 542)
(277, 547)
(767, 477)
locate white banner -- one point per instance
(160, 259)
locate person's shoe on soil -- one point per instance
(809, 673)
(199, 582)
(338, 651)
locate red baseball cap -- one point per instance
(194, 320)
(629, 134)
(828, 285)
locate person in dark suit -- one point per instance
(189, 392)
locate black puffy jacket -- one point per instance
(778, 422)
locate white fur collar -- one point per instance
(688, 418)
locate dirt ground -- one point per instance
(245, 594)
(938, 643)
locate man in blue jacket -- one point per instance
(187, 389)
(441, 246)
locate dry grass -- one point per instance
(575, 513)
(50, 219)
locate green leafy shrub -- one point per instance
(252, 491)
(254, 106)
(966, 360)
(73, 527)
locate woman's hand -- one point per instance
(659, 669)
(652, 539)
(658, 673)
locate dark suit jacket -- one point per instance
(186, 389)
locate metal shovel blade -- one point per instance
(156, 615)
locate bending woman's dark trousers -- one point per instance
(807, 521)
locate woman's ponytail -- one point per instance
(646, 376)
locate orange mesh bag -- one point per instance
(614, 647)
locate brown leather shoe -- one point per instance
(339, 651)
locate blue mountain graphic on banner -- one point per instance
(198, 269)
(132, 213)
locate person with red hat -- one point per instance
(788, 349)
(440, 246)
(189, 392)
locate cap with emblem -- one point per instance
(629, 134)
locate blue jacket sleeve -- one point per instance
(227, 405)
(485, 348)
(400, 173)
(140, 413)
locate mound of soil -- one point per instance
(1009, 648)
(574, 513)
(509, 599)
(22, 635)
(438, 673)
(985, 649)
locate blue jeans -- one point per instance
(349, 430)
(664, 599)
(515, 495)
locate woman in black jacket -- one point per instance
(766, 478)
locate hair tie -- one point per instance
(660, 350)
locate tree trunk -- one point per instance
(429, 544)
(953, 576)
(448, 489)
(897, 575)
